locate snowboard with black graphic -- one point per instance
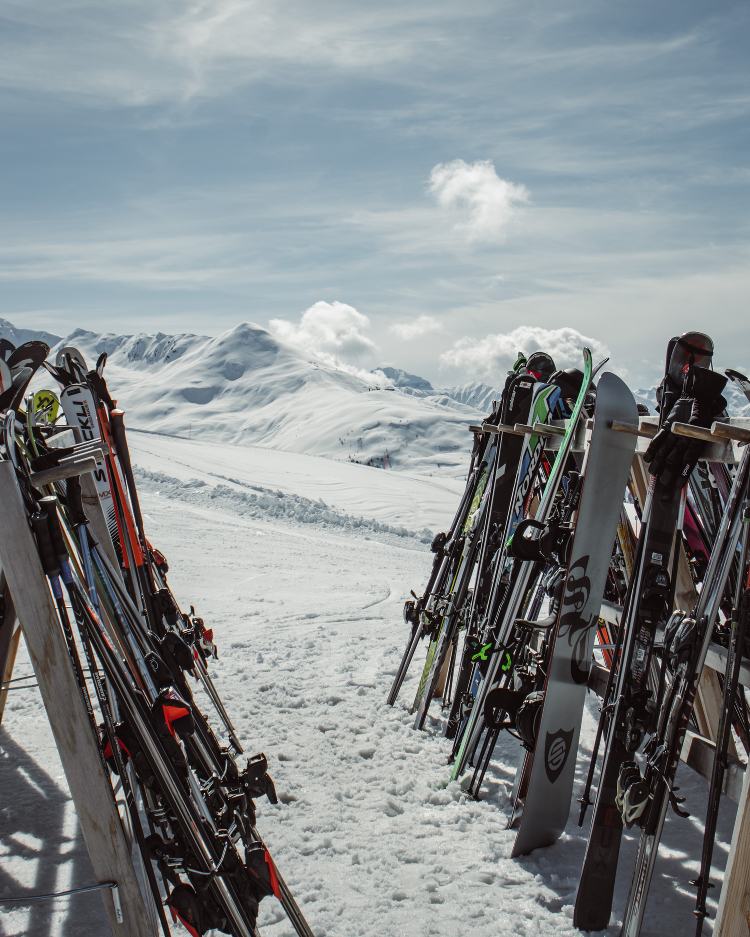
(605, 476)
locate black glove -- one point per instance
(672, 458)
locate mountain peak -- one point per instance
(400, 378)
(19, 336)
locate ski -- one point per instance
(452, 606)
(517, 590)
(633, 709)
(686, 648)
(605, 475)
(739, 631)
(446, 547)
(541, 406)
(79, 408)
(511, 459)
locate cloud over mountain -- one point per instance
(492, 356)
(332, 331)
(423, 325)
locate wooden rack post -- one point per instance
(10, 636)
(89, 787)
(733, 915)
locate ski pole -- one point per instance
(51, 554)
(114, 744)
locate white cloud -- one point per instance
(334, 332)
(492, 356)
(417, 327)
(490, 200)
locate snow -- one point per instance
(300, 558)
(246, 386)
(306, 611)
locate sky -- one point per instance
(424, 185)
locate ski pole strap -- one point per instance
(55, 531)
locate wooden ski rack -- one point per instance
(28, 597)
(724, 439)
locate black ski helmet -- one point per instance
(569, 381)
(540, 365)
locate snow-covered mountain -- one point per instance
(404, 380)
(248, 387)
(19, 336)
(475, 395)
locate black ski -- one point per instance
(634, 710)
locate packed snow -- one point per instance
(251, 463)
(306, 610)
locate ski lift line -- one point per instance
(496, 429)
(728, 431)
(725, 437)
(736, 430)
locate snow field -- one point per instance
(307, 618)
(402, 498)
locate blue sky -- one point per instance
(443, 172)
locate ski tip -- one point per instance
(598, 368)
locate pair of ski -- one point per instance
(483, 649)
(493, 504)
(426, 613)
(487, 511)
(189, 784)
(648, 698)
(546, 774)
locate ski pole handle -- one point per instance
(74, 497)
(44, 544)
(55, 532)
(117, 422)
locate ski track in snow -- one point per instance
(307, 618)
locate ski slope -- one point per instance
(306, 613)
(395, 498)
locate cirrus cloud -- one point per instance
(492, 356)
(490, 200)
